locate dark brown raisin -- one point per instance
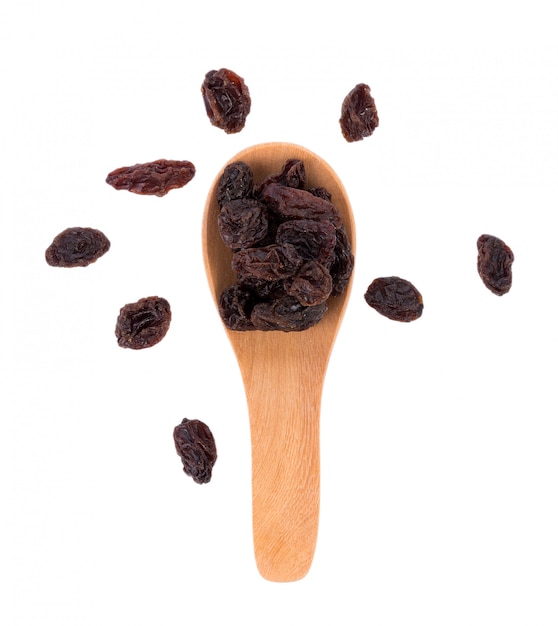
(311, 284)
(155, 178)
(290, 203)
(343, 263)
(494, 264)
(313, 240)
(237, 181)
(359, 117)
(195, 445)
(227, 100)
(321, 192)
(273, 262)
(395, 298)
(76, 247)
(242, 222)
(144, 323)
(286, 314)
(235, 307)
(292, 174)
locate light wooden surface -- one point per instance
(283, 375)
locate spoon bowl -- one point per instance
(283, 375)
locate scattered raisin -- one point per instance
(494, 264)
(359, 117)
(156, 178)
(395, 298)
(195, 445)
(144, 323)
(227, 100)
(77, 247)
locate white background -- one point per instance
(439, 437)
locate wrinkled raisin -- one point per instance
(313, 240)
(494, 264)
(311, 284)
(273, 262)
(359, 117)
(77, 247)
(235, 307)
(343, 263)
(237, 181)
(195, 445)
(292, 174)
(143, 324)
(286, 314)
(292, 203)
(242, 222)
(227, 100)
(155, 178)
(395, 298)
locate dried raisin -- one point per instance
(155, 178)
(273, 262)
(77, 247)
(195, 445)
(359, 116)
(494, 264)
(242, 222)
(144, 323)
(237, 181)
(286, 314)
(395, 298)
(227, 100)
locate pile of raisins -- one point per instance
(290, 249)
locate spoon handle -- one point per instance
(284, 405)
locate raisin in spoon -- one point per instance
(283, 375)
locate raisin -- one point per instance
(242, 222)
(321, 192)
(227, 100)
(77, 247)
(343, 264)
(195, 445)
(313, 240)
(291, 203)
(144, 323)
(494, 264)
(235, 307)
(155, 178)
(237, 181)
(311, 284)
(395, 298)
(292, 174)
(273, 262)
(286, 314)
(359, 117)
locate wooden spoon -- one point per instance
(283, 375)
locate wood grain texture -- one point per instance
(283, 375)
